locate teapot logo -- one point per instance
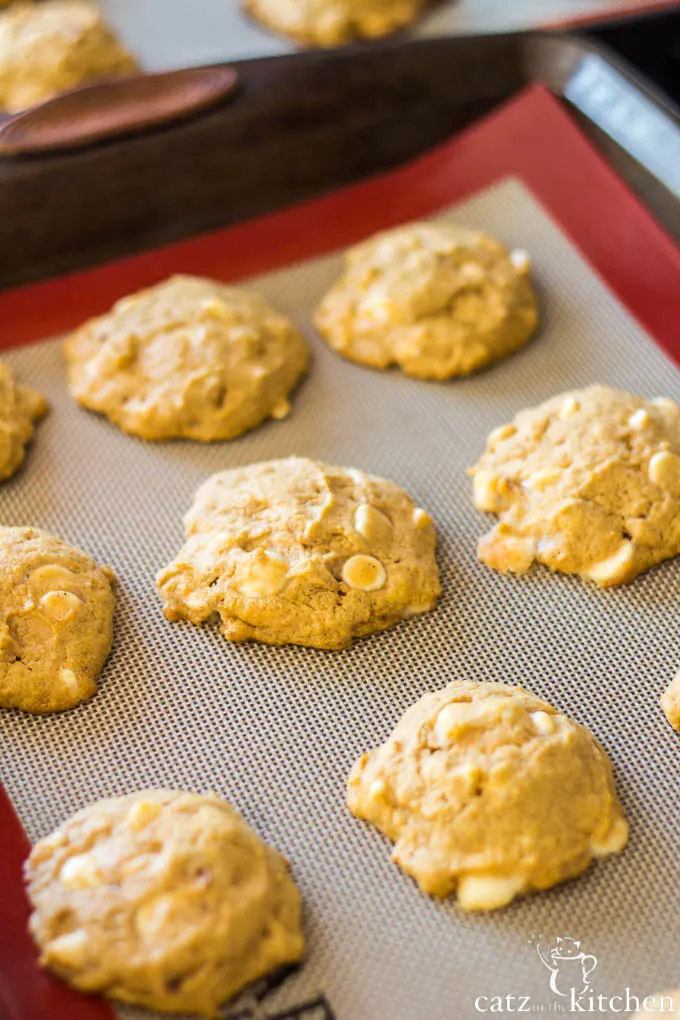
(569, 967)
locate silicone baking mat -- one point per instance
(276, 730)
(176, 33)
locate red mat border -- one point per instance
(530, 137)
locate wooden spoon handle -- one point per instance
(110, 108)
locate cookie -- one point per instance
(163, 899)
(334, 22)
(435, 299)
(670, 702)
(56, 621)
(297, 552)
(587, 483)
(490, 793)
(189, 358)
(20, 407)
(48, 48)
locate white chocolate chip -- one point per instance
(416, 609)
(52, 576)
(60, 605)
(543, 722)
(666, 403)
(81, 872)
(376, 789)
(421, 518)
(364, 573)
(614, 568)
(615, 840)
(487, 892)
(664, 470)
(143, 812)
(261, 575)
(570, 405)
(68, 679)
(68, 950)
(502, 432)
(455, 718)
(372, 525)
(280, 410)
(485, 490)
(520, 259)
(543, 479)
(519, 552)
(639, 419)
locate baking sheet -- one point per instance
(167, 34)
(276, 730)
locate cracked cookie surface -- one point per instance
(20, 408)
(164, 899)
(333, 22)
(189, 358)
(49, 48)
(587, 483)
(56, 621)
(435, 299)
(298, 552)
(489, 792)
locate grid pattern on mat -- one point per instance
(276, 730)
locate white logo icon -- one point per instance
(569, 967)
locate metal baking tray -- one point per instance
(306, 123)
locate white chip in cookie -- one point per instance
(162, 899)
(490, 793)
(587, 483)
(20, 408)
(298, 552)
(48, 48)
(56, 621)
(189, 358)
(435, 299)
(333, 22)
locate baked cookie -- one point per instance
(189, 358)
(334, 22)
(587, 483)
(20, 407)
(297, 552)
(490, 793)
(670, 702)
(56, 621)
(437, 300)
(163, 899)
(51, 47)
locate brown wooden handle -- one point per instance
(110, 108)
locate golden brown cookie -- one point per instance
(490, 793)
(670, 702)
(20, 408)
(297, 552)
(163, 899)
(587, 483)
(51, 47)
(435, 299)
(334, 22)
(189, 358)
(56, 621)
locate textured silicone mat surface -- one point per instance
(276, 730)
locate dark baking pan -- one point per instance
(303, 124)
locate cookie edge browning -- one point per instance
(670, 702)
(499, 894)
(277, 866)
(37, 408)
